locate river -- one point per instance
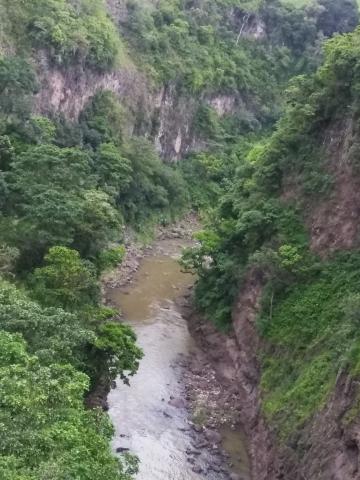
(150, 417)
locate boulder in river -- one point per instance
(197, 469)
(177, 402)
(212, 436)
(235, 476)
(122, 449)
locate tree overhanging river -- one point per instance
(152, 417)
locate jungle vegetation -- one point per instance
(69, 188)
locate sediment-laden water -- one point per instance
(150, 417)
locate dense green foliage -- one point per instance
(315, 326)
(71, 31)
(129, 169)
(68, 189)
(257, 195)
(78, 192)
(65, 280)
(67, 192)
(46, 432)
(46, 360)
(244, 48)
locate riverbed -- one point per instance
(152, 418)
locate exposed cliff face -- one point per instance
(159, 114)
(329, 445)
(174, 136)
(153, 113)
(235, 359)
(327, 448)
(333, 222)
(262, 446)
(66, 91)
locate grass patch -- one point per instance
(312, 334)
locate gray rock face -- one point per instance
(177, 402)
(160, 114)
(235, 476)
(68, 91)
(212, 436)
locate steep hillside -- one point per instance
(183, 71)
(94, 95)
(285, 234)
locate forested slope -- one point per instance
(93, 96)
(67, 188)
(284, 232)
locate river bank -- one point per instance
(209, 377)
(176, 407)
(179, 233)
(123, 275)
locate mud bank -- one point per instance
(234, 360)
(210, 383)
(234, 395)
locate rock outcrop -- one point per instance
(159, 113)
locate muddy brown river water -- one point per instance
(145, 423)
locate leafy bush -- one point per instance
(80, 31)
(102, 120)
(53, 334)
(65, 281)
(17, 85)
(46, 431)
(154, 190)
(53, 193)
(111, 257)
(117, 350)
(339, 16)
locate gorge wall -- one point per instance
(278, 262)
(159, 112)
(327, 446)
